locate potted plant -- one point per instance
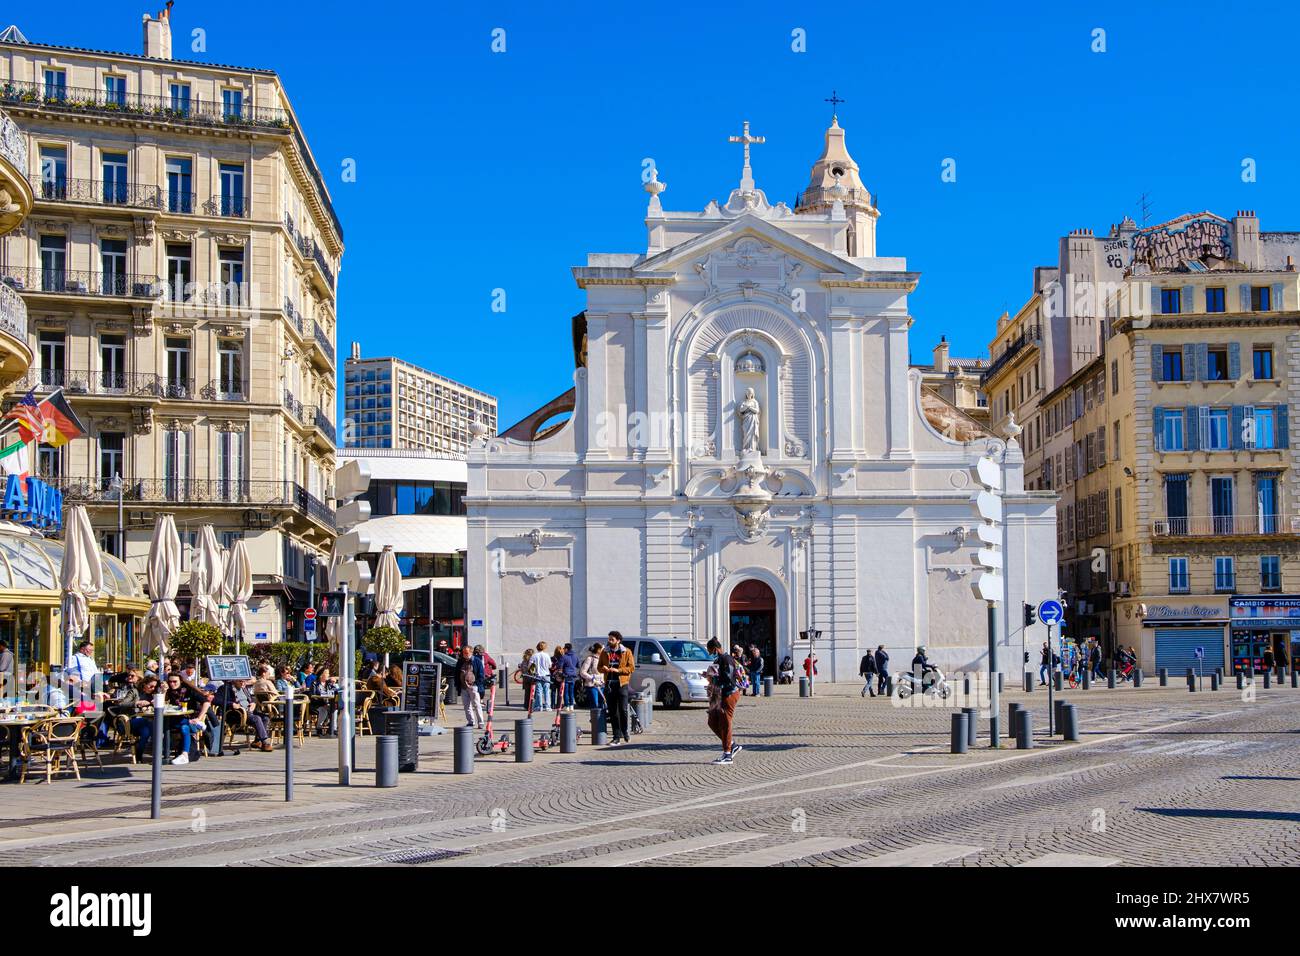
(384, 640)
(195, 640)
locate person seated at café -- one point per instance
(125, 695)
(142, 724)
(322, 707)
(394, 677)
(307, 678)
(45, 692)
(187, 697)
(150, 668)
(234, 696)
(284, 680)
(384, 693)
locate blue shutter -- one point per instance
(1237, 417)
(1176, 648)
(1155, 300)
(1234, 360)
(1158, 426)
(1202, 361)
(1283, 431)
(1189, 362)
(1244, 289)
(1192, 428)
(1189, 299)
(1157, 363)
(1276, 299)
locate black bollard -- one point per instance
(568, 733)
(599, 735)
(1267, 675)
(386, 760)
(1000, 681)
(464, 750)
(1191, 680)
(1058, 681)
(1029, 682)
(523, 740)
(1280, 675)
(1110, 679)
(1056, 713)
(288, 747)
(1137, 677)
(1070, 722)
(804, 690)
(1214, 681)
(1295, 678)
(1164, 676)
(769, 686)
(1024, 730)
(1241, 681)
(1087, 679)
(958, 734)
(1013, 709)
(969, 714)
(965, 686)
(159, 739)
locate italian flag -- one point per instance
(13, 458)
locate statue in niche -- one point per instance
(750, 414)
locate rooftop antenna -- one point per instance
(1144, 203)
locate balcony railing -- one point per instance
(1204, 526)
(310, 249)
(197, 491)
(100, 382)
(13, 313)
(821, 195)
(179, 202)
(230, 207)
(294, 316)
(325, 425)
(324, 342)
(193, 112)
(13, 145)
(79, 282)
(224, 391)
(98, 192)
(1030, 336)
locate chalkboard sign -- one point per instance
(420, 687)
(228, 667)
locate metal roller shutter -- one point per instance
(1176, 648)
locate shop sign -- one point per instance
(1188, 612)
(33, 502)
(1266, 611)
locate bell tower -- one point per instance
(835, 179)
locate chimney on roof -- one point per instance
(941, 355)
(356, 351)
(158, 34)
(1245, 239)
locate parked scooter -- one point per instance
(485, 744)
(932, 681)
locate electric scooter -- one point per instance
(485, 744)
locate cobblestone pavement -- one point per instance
(1159, 777)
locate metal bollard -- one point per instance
(1295, 678)
(1056, 713)
(969, 714)
(1241, 681)
(1058, 681)
(1137, 677)
(159, 738)
(1087, 678)
(1029, 683)
(1267, 675)
(645, 710)
(464, 750)
(769, 686)
(289, 706)
(1164, 676)
(1214, 681)
(965, 686)
(1191, 680)
(959, 733)
(599, 736)
(568, 733)
(1281, 675)
(1070, 722)
(523, 740)
(1110, 679)
(1001, 681)
(386, 760)
(803, 687)
(1024, 730)
(1013, 709)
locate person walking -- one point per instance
(1044, 662)
(882, 669)
(755, 667)
(541, 678)
(867, 671)
(1095, 653)
(592, 678)
(569, 675)
(526, 672)
(616, 665)
(481, 676)
(723, 695)
(469, 678)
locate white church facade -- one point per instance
(748, 454)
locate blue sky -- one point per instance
(478, 171)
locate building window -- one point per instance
(52, 346)
(232, 189)
(1171, 369)
(115, 90)
(1270, 572)
(1263, 363)
(1216, 429)
(1217, 363)
(178, 368)
(1171, 430)
(230, 464)
(1262, 432)
(1119, 511)
(1261, 298)
(1178, 582)
(54, 263)
(180, 185)
(1266, 502)
(50, 462)
(56, 86)
(180, 99)
(54, 172)
(231, 359)
(176, 463)
(112, 168)
(111, 461)
(1225, 574)
(232, 276)
(180, 272)
(1176, 503)
(1215, 299)
(112, 260)
(112, 363)
(232, 104)
(1171, 301)
(1223, 504)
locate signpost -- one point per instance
(224, 667)
(1200, 668)
(420, 683)
(1050, 613)
(989, 584)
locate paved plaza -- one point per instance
(1159, 777)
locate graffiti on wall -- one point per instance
(1183, 240)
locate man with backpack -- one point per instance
(867, 671)
(724, 692)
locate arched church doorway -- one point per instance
(753, 620)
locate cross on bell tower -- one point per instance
(746, 174)
(835, 100)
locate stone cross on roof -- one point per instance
(746, 174)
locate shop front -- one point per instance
(1264, 623)
(1168, 632)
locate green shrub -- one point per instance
(195, 640)
(384, 640)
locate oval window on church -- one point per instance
(750, 363)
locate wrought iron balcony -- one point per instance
(99, 382)
(98, 192)
(183, 204)
(295, 317)
(197, 491)
(310, 249)
(78, 282)
(230, 207)
(13, 145)
(13, 313)
(193, 112)
(1205, 526)
(220, 390)
(1031, 336)
(325, 426)
(322, 340)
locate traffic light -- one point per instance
(1031, 615)
(987, 504)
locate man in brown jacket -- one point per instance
(616, 664)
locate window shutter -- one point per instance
(1244, 290)
(1101, 446)
(1189, 299)
(1192, 428)
(1276, 297)
(1157, 363)
(1234, 360)
(1248, 414)
(1283, 436)
(1158, 426)
(1202, 361)
(1155, 299)
(1237, 418)
(1204, 412)
(1189, 362)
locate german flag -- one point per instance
(61, 422)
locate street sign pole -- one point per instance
(1051, 685)
(346, 692)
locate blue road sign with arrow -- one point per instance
(1050, 612)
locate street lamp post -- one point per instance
(117, 486)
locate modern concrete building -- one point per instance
(389, 403)
(179, 270)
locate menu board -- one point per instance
(420, 687)
(228, 667)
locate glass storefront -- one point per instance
(1260, 624)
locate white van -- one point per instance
(675, 666)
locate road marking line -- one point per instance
(923, 854)
(1045, 778)
(548, 849)
(1071, 859)
(661, 850)
(785, 853)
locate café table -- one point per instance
(16, 728)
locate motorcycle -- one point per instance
(932, 681)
